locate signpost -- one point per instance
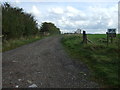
(111, 33)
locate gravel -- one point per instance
(44, 64)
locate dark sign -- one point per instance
(111, 32)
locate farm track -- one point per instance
(45, 64)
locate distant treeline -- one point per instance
(16, 24)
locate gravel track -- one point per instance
(45, 64)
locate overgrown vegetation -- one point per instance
(14, 43)
(19, 27)
(103, 61)
(16, 23)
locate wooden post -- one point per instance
(111, 38)
(84, 37)
(107, 38)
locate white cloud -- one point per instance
(72, 10)
(17, 1)
(35, 11)
(73, 0)
(63, 0)
(56, 10)
(107, 16)
(95, 19)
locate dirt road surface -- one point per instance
(43, 64)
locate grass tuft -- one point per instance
(14, 43)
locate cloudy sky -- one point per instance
(93, 16)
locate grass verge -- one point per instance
(103, 60)
(14, 43)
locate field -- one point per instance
(102, 60)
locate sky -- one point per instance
(93, 16)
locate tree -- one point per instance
(49, 28)
(16, 23)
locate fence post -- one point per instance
(111, 38)
(84, 37)
(107, 38)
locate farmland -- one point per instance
(101, 59)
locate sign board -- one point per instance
(111, 32)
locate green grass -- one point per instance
(101, 59)
(14, 43)
(101, 39)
